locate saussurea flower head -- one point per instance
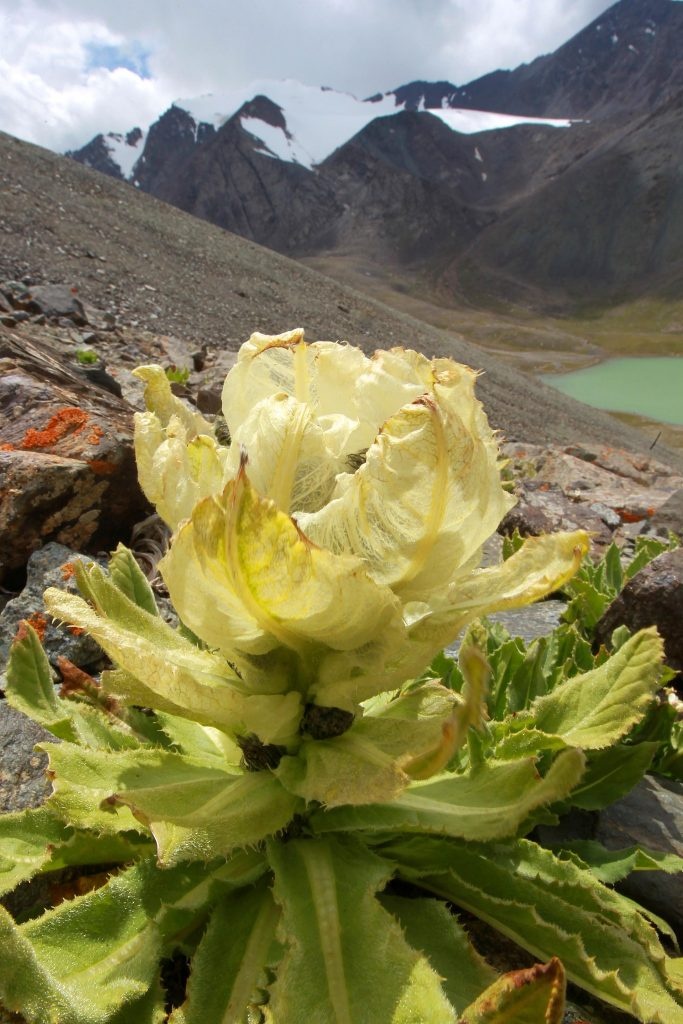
(259, 773)
(326, 554)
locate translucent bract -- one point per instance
(327, 553)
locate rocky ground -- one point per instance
(156, 269)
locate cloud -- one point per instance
(55, 92)
(516, 30)
(72, 68)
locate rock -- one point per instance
(545, 508)
(651, 816)
(67, 469)
(654, 597)
(532, 621)
(618, 487)
(51, 566)
(22, 769)
(97, 373)
(209, 399)
(43, 497)
(668, 517)
(55, 300)
(528, 623)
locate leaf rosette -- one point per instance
(271, 763)
(333, 547)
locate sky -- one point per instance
(72, 68)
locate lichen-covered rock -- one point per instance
(67, 470)
(51, 566)
(605, 490)
(544, 507)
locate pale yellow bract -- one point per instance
(335, 543)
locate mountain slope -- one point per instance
(175, 274)
(230, 181)
(610, 226)
(627, 60)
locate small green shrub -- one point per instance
(177, 374)
(86, 356)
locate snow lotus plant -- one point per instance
(274, 790)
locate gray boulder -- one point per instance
(654, 597)
(669, 517)
(649, 816)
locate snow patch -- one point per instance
(615, 38)
(320, 120)
(468, 122)
(484, 175)
(276, 142)
(477, 155)
(632, 48)
(123, 153)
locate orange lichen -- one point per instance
(37, 621)
(102, 468)
(95, 435)
(67, 570)
(76, 630)
(68, 420)
(629, 515)
(7, 447)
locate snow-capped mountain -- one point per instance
(439, 176)
(300, 124)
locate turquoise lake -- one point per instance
(649, 386)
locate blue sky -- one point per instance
(72, 68)
(132, 56)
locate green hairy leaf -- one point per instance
(553, 908)
(595, 710)
(30, 684)
(194, 810)
(230, 959)
(491, 802)
(27, 839)
(432, 928)
(323, 975)
(88, 957)
(127, 575)
(611, 866)
(610, 774)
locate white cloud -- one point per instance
(50, 93)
